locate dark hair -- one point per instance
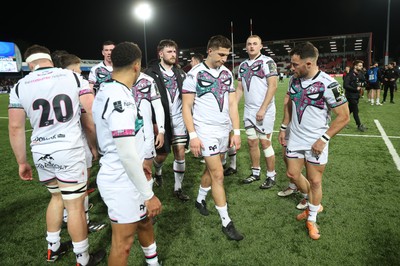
(56, 57)
(34, 49)
(305, 50)
(199, 57)
(356, 62)
(108, 43)
(166, 43)
(218, 41)
(125, 54)
(69, 59)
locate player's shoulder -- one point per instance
(145, 76)
(327, 80)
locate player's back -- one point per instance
(50, 98)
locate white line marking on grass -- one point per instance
(389, 144)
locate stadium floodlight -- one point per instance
(144, 11)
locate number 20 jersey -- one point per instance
(50, 98)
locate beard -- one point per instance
(170, 61)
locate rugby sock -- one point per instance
(271, 174)
(292, 185)
(179, 172)
(224, 159)
(65, 215)
(223, 213)
(305, 195)
(53, 240)
(313, 210)
(150, 254)
(203, 191)
(158, 167)
(232, 157)
(81, 250)
(86, 206)
(256, 171)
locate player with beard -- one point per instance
(169, 79)
(313, 95)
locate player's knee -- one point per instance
(251, 134)
(268, 152)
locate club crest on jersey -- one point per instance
(206, 83)
(142, 90)
(118, 106)
(247, 72)
(312, 96)
(171, 85)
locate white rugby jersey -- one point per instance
(212, 88)
(98, 74)
(50, 98)
(253, 74)
(312, 100)
(144, 92)
(171, 85)
(114, 114)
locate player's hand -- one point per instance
(235, 141)
(159, 142)
(153, 206)
(196, 147)
(25, 172)
(282, 138)
(147, 171)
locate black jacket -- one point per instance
(350, 84)
(154, 71)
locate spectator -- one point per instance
(352, 85)
(390, 77)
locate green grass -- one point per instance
(359, 225)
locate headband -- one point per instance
(37, 56)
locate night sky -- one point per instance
(80, 27)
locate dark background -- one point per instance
(80, 27)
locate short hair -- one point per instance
(356, 62)
(35, 49)
(218, 41)
(108, 42)
(305, 50)
(69, 59)
(254, 36)
(125, 54)
(198, 56)
(56, 57)
(166, 43)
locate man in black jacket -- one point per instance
(389, 80)
(169, 79)
(353, 83)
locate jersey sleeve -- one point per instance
(334, 95)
